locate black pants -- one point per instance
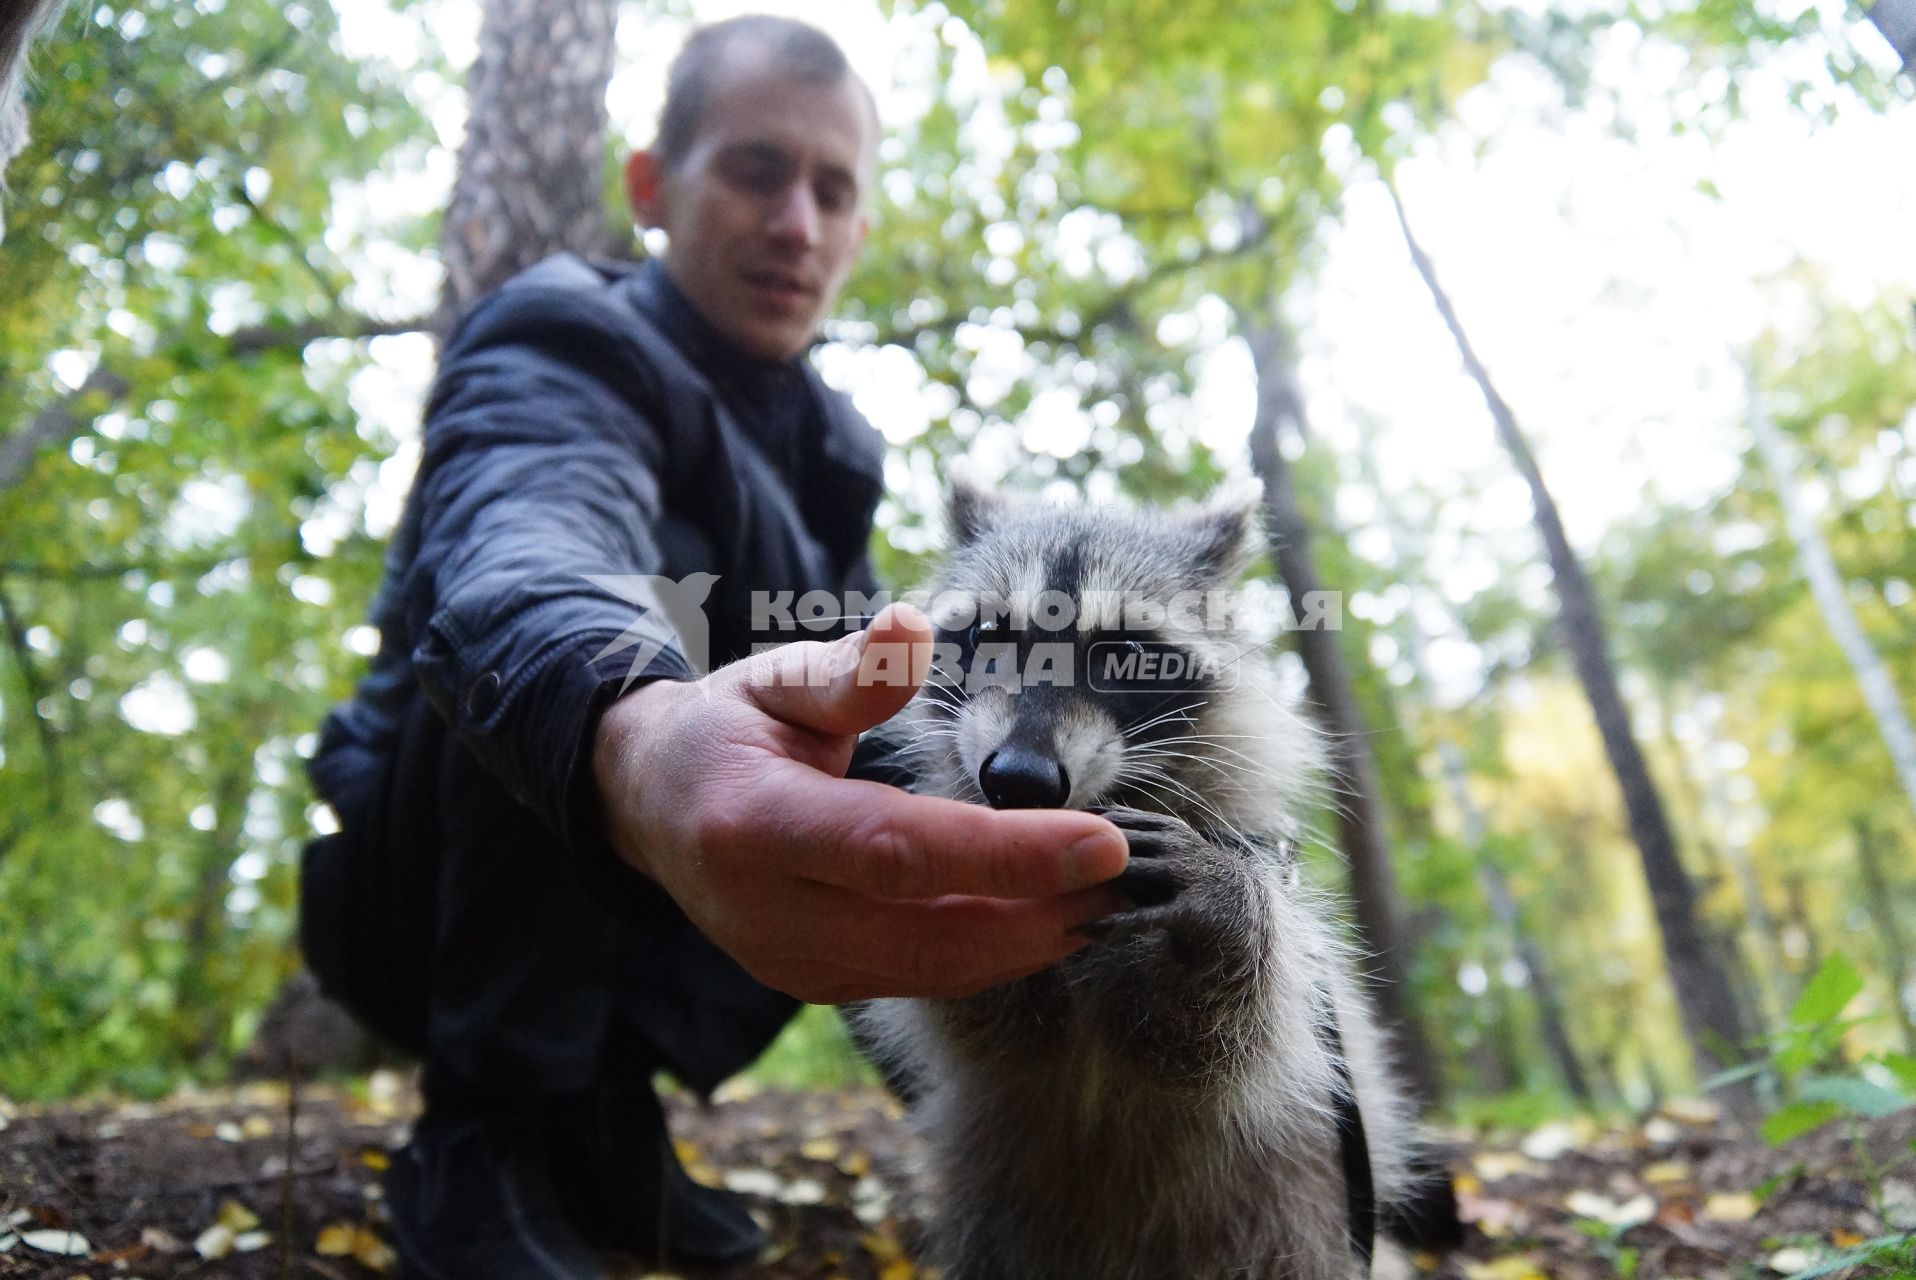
(448, 919)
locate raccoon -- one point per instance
(1201, 1092)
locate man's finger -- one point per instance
(882, 843)
(947, 947)
(849, 685)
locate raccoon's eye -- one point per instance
(982, 628)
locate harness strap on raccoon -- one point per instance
(1360, 1196)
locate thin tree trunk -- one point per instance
(1551, 1022)
(1881, 898)
(213, 878)
(1360, 815)
(531, 173)
(1704, 993)
(529, 184)
(1826, 587)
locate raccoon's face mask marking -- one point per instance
(1047, 691)
(1070, 717)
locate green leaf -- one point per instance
(1836, 984)
(1868, 1251)
(1798, 1119)
(1903, 1067)
(1855, 1095)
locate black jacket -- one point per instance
(567, 436)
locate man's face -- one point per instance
(766, 211)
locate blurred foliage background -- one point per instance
(217, 273)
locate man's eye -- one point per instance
(834, 197)
(757, 172)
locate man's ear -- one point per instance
(642, 174)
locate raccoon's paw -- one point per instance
(1178, 882)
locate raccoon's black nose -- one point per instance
(1016, 777)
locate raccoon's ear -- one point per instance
(970, 509)
(1227, 529)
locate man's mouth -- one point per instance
(781, 285)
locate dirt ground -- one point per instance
(242, 1185)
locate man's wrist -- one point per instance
(618, 746)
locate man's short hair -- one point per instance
(799, 49)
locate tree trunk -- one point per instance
(1360, 815)
(1826, 588)
(1551, 1022)
(531, 172)
(1704, 993)
(1880, 895)
(529, 184)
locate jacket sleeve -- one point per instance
(545, 445)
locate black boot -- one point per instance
(623, 1183)
(472, 1198)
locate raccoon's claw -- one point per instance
(1127, 924)
(1148, 882)
(1139, 822)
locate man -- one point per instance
(550, 885)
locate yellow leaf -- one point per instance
(376, 1160)
(257, 1127)
(1845, 1239)
(856, 1163)
(336, 1240)
(374, 1254)
(1467, 1184)
(819, 1149)
(214, 1243)
(898, 1270)
(1517, 1268)
(236, 1217)
(1666, 1171)
(1492, 1166)
(881, 1247)
(1697, 1111)
(1730, 1206)
(686, 1152)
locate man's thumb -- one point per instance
(849, 685)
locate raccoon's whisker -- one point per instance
(1167, 749)
(1183, 711)
(1251, 762)
(1183, 755)
(1190, 797)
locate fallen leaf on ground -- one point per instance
(214, 1243)
(1730, 1206)
(1790, 1261)
(68, 1244)
(1632, 1212)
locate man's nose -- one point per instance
(797, 218)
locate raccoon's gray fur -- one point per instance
(1161, 1103)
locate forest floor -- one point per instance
(242, 1185)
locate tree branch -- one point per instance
(37, 692)
(64, 418)
(1116, 307)
(60, 420)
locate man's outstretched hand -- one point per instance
(730, 792)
